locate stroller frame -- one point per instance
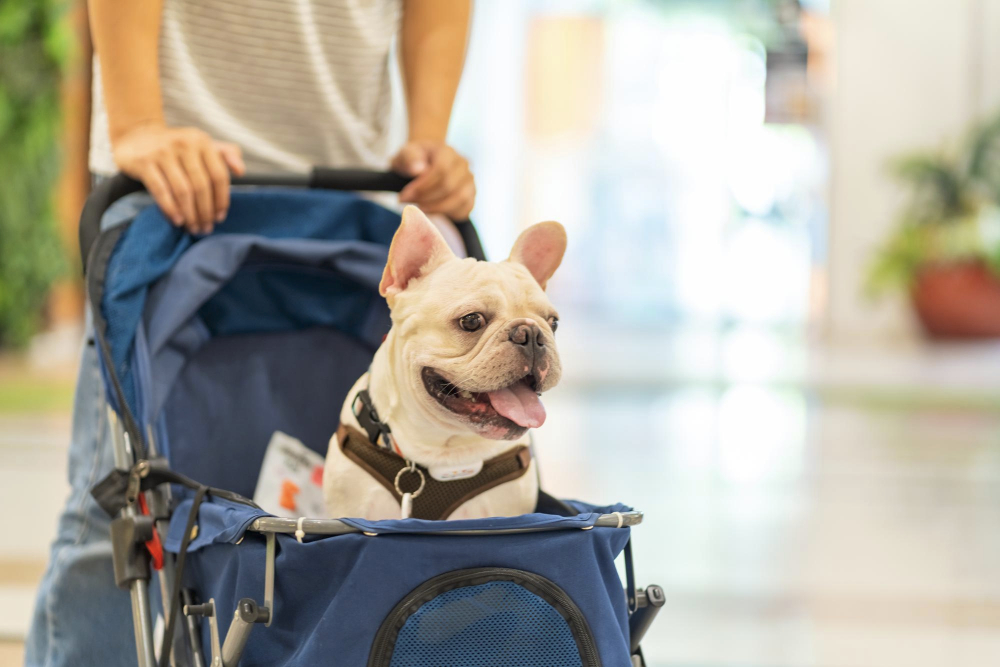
(136, 524)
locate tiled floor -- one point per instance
(789, 531)
(11, 654)
(792, 521)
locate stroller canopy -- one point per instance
(261, 326)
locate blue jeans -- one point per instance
(81, 618)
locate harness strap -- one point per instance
(438, 499)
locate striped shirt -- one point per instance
(294, 83)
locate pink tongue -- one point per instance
(519, 404)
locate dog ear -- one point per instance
(540, 248)
(417, 249)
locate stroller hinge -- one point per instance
(129, 534)
(649, 602)
(247, 613)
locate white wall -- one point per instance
(910, 74)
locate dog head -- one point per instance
(473, 342)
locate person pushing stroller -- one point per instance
(186, 93)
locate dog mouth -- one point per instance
(516, 407)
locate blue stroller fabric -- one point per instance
(151, 247)
(332, 593)
(262, 326)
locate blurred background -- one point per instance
(779, 309)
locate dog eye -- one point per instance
(554, 323)
(472, 321)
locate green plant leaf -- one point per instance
(939, 187)
(15, 19)
(33, 45)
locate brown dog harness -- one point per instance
(437, 500)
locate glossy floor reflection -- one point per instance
(838, 509)
(791, 531)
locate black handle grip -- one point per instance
(357, 180)
(325, 178)
(110, 190)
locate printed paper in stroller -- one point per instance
(291, 479)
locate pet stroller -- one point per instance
(209, 345)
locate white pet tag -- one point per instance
(406, 506)
(448, 473)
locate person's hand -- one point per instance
(442, 183)
(185, 171)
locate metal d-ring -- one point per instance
(410, 468)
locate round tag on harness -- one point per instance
(406, 504)
(412, 469)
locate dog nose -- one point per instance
(527, 335)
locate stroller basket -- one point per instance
(210, 344)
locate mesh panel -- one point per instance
(499, 623)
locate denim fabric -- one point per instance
(80, 617)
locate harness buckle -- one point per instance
(379, 433)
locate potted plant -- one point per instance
(945, 251)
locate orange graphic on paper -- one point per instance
(288, 492)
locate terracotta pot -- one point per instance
(958, 301)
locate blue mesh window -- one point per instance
(498, 623)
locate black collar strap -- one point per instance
(379, 433)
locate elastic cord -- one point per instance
(175, 594)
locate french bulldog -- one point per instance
(459, 376)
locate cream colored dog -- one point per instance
(459, 376)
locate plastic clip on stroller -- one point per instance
(213, 343)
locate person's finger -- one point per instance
(158, 187)
(180, 187)
(406, 195)
(457, 206)
(416, 190)
(218, 174)
(201, 186)
(454, 179)
(411, 160)
(232, 155)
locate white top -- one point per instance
(294, 83)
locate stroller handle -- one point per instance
(324, 178)
(110, 190)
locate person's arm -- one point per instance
(185, 171)
(433, 38)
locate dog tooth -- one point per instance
(465, 394)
